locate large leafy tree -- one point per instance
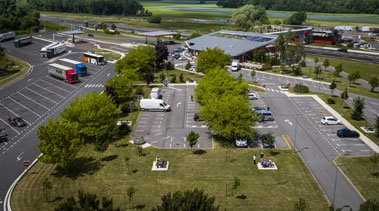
(188, 200)
(59, 142)
(122, 85)
(370, 204)
(96, 116)
(137, 63)
(212, 58)
(18, 15)
(161, 53)
(248, 16)
(297, 18)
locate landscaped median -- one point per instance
(211, 169)
(18, 70)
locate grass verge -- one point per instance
(108, 55)
(53, 27)
(110, 176)
(363, 173)
(19, 69)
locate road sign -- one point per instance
(26, 163)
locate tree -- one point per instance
(139, 150)
(154, 19)
(253, 74)
(212, 58)
(300, 205)
(46, 187)
(96, 116)
(354, 76)
(236, 183)
(369, 205)
(181, 78)
(186, 201)
(326, 63)
(374, 82)
(86, 201)
(332, 86)
(377, 126)
(297, 18)
(344, 95)
(192, 138)
(126, 159)
(338, 70)
(188, 65)
(113, 26)
(270, 138)
(59, 142)
(161, 53)
(122, 85)
(249, 16)
(130, 192)
(359, 105)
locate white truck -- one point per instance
(155, 93)
(58, 49)
(46, 51)
(154, 105)
(7, 36)
(235, 65)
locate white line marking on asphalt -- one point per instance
(365, 150)
(170, 145)
(24, 107)
(41, 95)
(158, 134)
(30, 79)
(19, 156)
(48, 90)
(139, 130)
(86, 86)
(154, 142)
(55, 86)
(34, 101)
(9, 126)
(171, 139)
(178, 104)
(288, 121)
(140, 126)
(108, 74)
(167, 137)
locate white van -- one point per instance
(155, 93)
(235, 65)
(154, 105)
(266, 115)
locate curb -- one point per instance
(28, 72)
(8, 196)
(339, 169)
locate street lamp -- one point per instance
(319, 80)
(294, 148)
(335, 182)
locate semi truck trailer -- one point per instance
(46, 51)
(57, 49)
(6, 36)
(22, 41)
(67, 74)
(79, 67)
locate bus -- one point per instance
(94, 59)
(22, 41)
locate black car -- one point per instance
(196, 117)
(90, 35)
(17, 121)
(347, 133)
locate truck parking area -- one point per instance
(169, 129)
(313, 111)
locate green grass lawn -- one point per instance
(20, 68)
(53, 27)
(360, 171)
(109, 55)
(264, 190)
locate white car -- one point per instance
(252, 96)
(329, 120)
(182, 58)
(193, 68)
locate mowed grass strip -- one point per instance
(359, 170)
(264, 190)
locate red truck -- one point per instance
(62, 72)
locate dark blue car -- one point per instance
(347, 133)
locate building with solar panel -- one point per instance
(239, 45)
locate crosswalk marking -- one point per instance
(93, 85)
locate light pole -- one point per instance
(294, 148)
(335, 182)
(319, 80)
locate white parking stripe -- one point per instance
(24, 107)
(41, 95)
(34, 101)
(49, 90)
(54, 86)
(10, 126)
(86, 85)
(9, 110)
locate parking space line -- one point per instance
(10, 126)
(34, 101)
(53, 85)
(49, 90)
(24, 107)
(9, 109)
(139, 130)
(41, 95)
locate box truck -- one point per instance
(62, 72)
(235, 65)
(22, 41)
(155, 93)
(154, 105)
(79, 67)
(94, 59)
(6, 36)
(47, 52)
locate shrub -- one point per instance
(162, 77)
(297, 71)
(154, 19)
(173, 79)
(128, 107)
(303, 63)
(181, 78)
(299, 88)
(123, 130)
(139, 90)
(188, 65)
(331, 101)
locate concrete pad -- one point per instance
(154, 168)
(260, 167)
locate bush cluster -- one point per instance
(299, 88)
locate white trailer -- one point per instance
(7, 36)
(45, 50)
(58, 49)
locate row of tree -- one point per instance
(325, 6)
(18, 16)
(96, 7)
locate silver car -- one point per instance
(329, 120)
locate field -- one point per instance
(53, 27)
(206, 169)
(363, 173)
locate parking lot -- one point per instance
(313, 111)
(169, 129)
(41, 94)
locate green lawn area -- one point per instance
(53, 27)
(361, 172)
(109, 55)
(264, 190)
(20, 68)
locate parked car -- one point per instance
(17, 121)
(193, 68)
(347, 133)
(241, 142)
(329, 120)
(182, 58)
(138, 141)
(175, 55)
(258, 108)
(179, 49)
(265, 144)
(252, 96)
(342, 50)
(284, 86)
(305, 76)
(90, 35)
(3, 134)
(197, 117)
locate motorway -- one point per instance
(37, 97)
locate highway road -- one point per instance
(341, 55)
(37, 97)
